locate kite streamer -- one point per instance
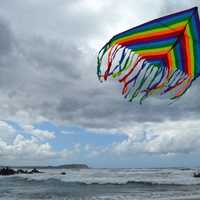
(159, 57)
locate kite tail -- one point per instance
(138, 77)
(184, 88)
(100, 56)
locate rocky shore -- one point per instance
(6, 171)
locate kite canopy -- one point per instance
(161, 56)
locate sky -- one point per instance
(55, 111)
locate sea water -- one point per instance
(102, 184)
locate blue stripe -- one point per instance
(194, 27)
(157, 61)
(179, 57)
(197, 58)
(155, 43)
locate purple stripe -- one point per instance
(196, 15)
(158, 20)
(154, 40)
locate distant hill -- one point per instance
(65, 166)
(74, 166)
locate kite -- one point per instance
(159, 57)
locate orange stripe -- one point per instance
(170, 61)
(153, 54)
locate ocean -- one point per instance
(102, 184)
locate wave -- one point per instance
(80, 183)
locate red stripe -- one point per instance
(188, 55)
(184, 56)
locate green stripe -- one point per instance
(153, 46)
(176, 59)
(193, 49)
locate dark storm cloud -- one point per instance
(6, 40)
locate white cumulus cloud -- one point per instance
(38, 133)
(161, 137)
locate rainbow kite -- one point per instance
(161, 56)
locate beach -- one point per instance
(102, 184)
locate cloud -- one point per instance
(67, 132)
(14, 146)
(23, 150)
(5, 38)
(175, 6)
(169, 137)
(31, 151)
(48, 73)
(18, 149)
(68, 154)
(7, 132)
(40, 134)
(51, 77)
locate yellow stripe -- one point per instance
(173, 64)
